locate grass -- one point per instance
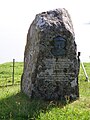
(14, 105)
(6, 71)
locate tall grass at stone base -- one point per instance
(14, 105)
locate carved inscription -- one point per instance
(57, 71)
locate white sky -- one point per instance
(17, 15)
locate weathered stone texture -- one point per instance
(51, 64)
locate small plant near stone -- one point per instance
(67, 99)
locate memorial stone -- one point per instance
(51, 63)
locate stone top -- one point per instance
(58, 17)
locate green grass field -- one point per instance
(6, 71)
(14, 105)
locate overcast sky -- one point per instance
(17, 15)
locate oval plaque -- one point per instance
(59, 46)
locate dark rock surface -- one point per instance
(51, 64)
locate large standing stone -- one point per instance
(51, 64)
